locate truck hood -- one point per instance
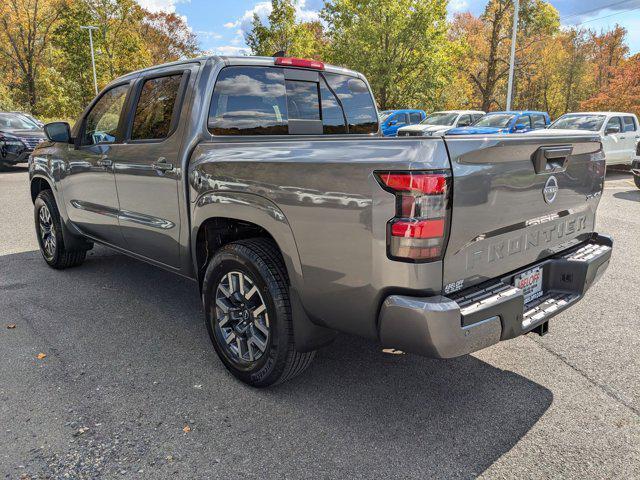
(424, 128)
(561, 132)
(22, 132)
(477, 131)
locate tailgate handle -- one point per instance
(551, 159)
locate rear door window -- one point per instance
(249, 101)
(630, 124)
(154, 114)
(464, 121)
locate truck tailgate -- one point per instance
(517, 200)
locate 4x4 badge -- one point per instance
(550, 190)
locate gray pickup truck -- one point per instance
(266, 181)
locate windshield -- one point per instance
(579, 122)
(15, 122)
(384, 115)
(498, 120)
(440, 118)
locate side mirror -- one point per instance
(520, 127)
(392, 123)
(612, 129)
(58, 132)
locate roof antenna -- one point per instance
(280, 53)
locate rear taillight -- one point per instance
(419, 228)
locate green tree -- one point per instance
(284, 33)
(401, 47)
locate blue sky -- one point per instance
(220, 24)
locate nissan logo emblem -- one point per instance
(550, 190)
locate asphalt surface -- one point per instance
(129, 365)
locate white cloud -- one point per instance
(229, 50)
(208, 35)
(458, 5)
(263, 9)
(160, 5)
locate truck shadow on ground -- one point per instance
(632, 195)
(137, 333)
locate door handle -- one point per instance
(162, 165)
(551, 159)
(104, 162)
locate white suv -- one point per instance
(619, 132)
(437, 123)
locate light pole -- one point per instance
(93, 58)
(516, 7)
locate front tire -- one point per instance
(248, 313)
(636, 179)
(49, 232)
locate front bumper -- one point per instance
(446, 327)
(13, 158)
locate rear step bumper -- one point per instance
(446, 327)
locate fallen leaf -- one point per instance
(199, 387)
(392, 351)
(11, 326)
(186, 429)
(40, 356)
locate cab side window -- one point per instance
(154, 115)
(538, 121)
(415, 117)
(615, 122)
(464, 121)
(101, 123)
(524, 120)
(630, 124)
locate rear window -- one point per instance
(260, 101)
(538, 121)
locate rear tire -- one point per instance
(636, 179)
(49, 233)
(248, 313)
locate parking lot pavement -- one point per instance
(129, 366)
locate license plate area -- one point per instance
(530, 282)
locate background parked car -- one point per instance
(437, 123)
(392, 120)
(30, 117)
(505, 122)
(18, 138)
(618, 131)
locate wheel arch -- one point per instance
(222, 217)
(38, 184)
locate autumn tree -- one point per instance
(25, 31)
(622, 92)
(400, 46)
(168, 37)
(488, 41)
(608, 50)
(283, 32)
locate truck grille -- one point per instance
(31, 142)
(410, 134)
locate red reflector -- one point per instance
(419, 229)
(429, 183)
(299, 62)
